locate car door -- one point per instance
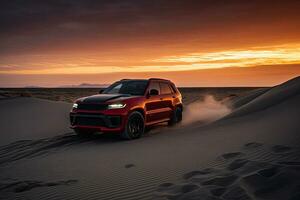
(153, 104)
(166, 97)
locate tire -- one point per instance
(135, 126)
(83, 133)
(176, 116)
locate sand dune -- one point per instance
(253, 153)
(240, 101)
(264, 99)
(25, 118)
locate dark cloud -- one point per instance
(34, 25)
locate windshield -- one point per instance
(134, 87)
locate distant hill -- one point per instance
(33, 86)
(82, 85)
(85, 85)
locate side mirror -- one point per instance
(153, 92)
(100, 91)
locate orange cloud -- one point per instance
(266, 55)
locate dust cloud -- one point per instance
(205, 111)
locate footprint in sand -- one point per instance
(231, 155)
(236, 164)
(253, 145)
(221, 180)
(269, 172)
(198, 173)
(189, 187)
(165, 185)
(281, 149)
(129, 166)
(262, 186)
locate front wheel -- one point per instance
(176, 116)
(135, 126)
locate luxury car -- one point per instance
(128, 106)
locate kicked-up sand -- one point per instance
(250, 152)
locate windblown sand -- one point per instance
(251, 153)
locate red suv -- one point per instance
(127, 106)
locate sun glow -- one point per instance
(269, 55)
(256, 56)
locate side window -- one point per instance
(173, 87)
(154, 85)
(165, 89)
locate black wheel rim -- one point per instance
(135, 126)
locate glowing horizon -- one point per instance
(255, 56)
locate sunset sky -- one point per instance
(193, 42)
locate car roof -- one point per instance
(150, 79)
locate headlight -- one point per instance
(116, 106)
(75, 105)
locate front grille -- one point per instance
(92, 106)
(86, 121)
(93, 119)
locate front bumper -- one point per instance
(97, 121)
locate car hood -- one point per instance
(101, 98)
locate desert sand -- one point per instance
(249, 151)
(31, 118)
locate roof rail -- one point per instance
(125, 79)
(159, 79)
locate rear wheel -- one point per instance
(135, 126)
(176, 116)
